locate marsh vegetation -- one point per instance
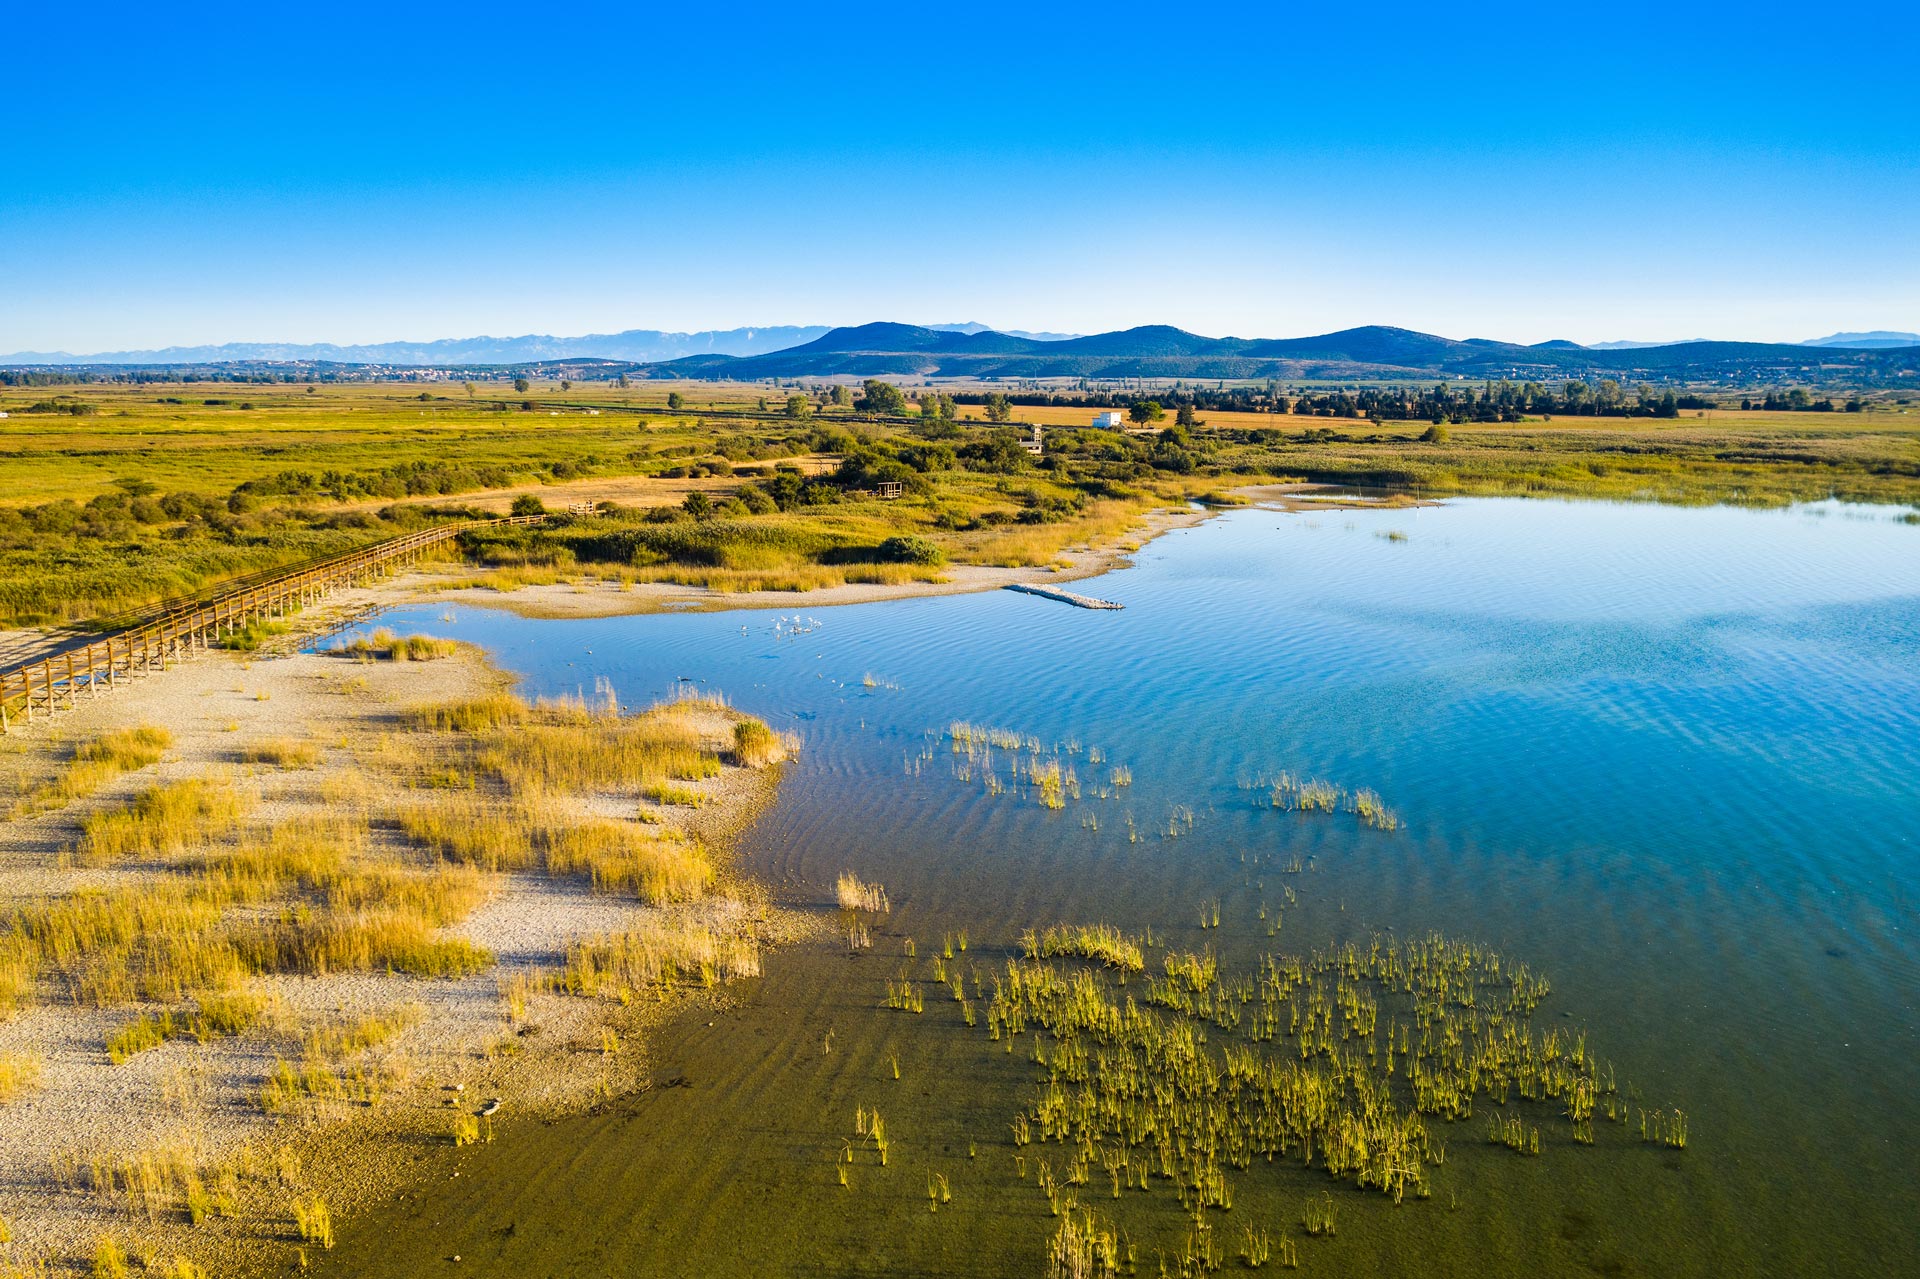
(128, 495)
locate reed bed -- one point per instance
(570, 748)
(215, 1017)
(618, 857)
(94, 764)
(657, 957)
(1344, 1060)
(384, 646)
(472, 715)
(339, 1038)
(164, 821)
(339, 909)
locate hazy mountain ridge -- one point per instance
(643, 346)
(1871, 340)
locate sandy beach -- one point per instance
(455, 1046)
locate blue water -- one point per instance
(1666, 756)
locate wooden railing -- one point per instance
(42, 685)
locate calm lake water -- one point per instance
(1666, 757)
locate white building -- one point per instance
(1109, 420)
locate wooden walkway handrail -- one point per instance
(42, 684)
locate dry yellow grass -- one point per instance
(620, 857)
(164, 821)
(664, 954)
(384, 645)
(94, 764)
(283, 752)
(20, 1073)
(755, 745)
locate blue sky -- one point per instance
(209, 173)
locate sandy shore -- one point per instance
(460, 1049)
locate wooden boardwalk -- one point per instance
(52, 681)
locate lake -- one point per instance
(1663, 756)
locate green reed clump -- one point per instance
(1102, 942)
(1083, 1246)
(1303, 795)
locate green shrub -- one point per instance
(910, 549)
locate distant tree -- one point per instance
(566, 386)
(675, 399)
(424, 395)
(999, 407)
(528, 504)
(883, 397)
(698, 505)
(622, 382)
(784, 487)
(936, 406)
(1145, 411)
(1184, 417)
(469, 387)
(842, 395)
(1435, 434)
(799, 406)
(521, 385)
(312, 389)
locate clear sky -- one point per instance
(181, 174)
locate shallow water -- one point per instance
(1664, 756)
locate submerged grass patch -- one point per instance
(1352, 1060)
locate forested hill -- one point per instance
(881, 350)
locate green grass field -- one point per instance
(148, 492)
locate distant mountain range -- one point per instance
(1159, 351)
(1868, 341)
(642, 346)
(972, 350)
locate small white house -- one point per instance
(1109, 421)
